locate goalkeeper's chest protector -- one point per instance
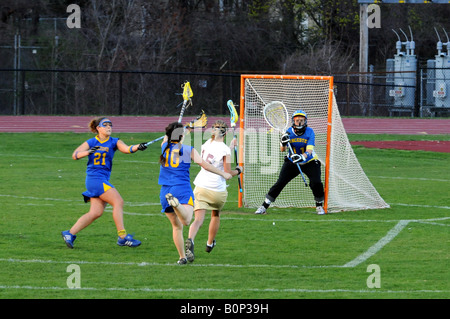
(300, 143)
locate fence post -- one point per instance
(22, 73)
(371, 68)
(348, 95)
(417, 93)
(120, 93)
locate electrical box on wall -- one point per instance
(441, 92)
(404, 68)
(442, 81)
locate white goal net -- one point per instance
(346, 185)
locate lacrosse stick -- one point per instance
(233, 119)
(276, 115)
(200, 122)
(187, 94)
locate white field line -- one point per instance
(70, 158)
(155, 264)
(411, 178)
(15, 156)
(276, 290)
(358, 260)
(423, 206)
(379, 245)
(135, 204)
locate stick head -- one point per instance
(187, 94)
(200, 122)
(233, 113)
(187, 91)
(276, 115)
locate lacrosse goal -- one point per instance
(346, 185)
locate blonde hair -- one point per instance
(223, 127)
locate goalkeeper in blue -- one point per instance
(302, 139)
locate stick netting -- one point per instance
(275, 114)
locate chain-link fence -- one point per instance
(72, 92)
(434, 99)
(69, 92)
(376, 94)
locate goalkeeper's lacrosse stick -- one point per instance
(233, 119)
(200, 122)
(187, 94)
(276, 115)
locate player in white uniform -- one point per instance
(210, 189)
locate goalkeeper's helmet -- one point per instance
(299, 129)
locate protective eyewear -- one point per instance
(105, 123)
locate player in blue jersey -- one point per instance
(99, 191)
(176, 195)
(302, 139)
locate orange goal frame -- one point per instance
(329, 120)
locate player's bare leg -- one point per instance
(214, 225)
(113, 198)
(177, 234)
(197, 223)
(183, 211)
(95, 211)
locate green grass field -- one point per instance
(286, 254)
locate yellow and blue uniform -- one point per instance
(311, 166)
(302, 140)
(99, 167)
(301, 143)
(174, 175)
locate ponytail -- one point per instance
(94, 123)
(174, 133)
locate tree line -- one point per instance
(206, 36)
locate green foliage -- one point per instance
(286, 254)
(259, 8)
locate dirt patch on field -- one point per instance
(432, 146)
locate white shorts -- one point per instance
(209, 200)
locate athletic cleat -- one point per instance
(68, 238)
(261, 211)
(319, 210)
(182, 261)
(209, 248)
(173, 201)
(129, 241)
(189, 250)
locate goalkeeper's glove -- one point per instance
(285, 138)
(142, 146)
(93, 149)
(297, 158)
